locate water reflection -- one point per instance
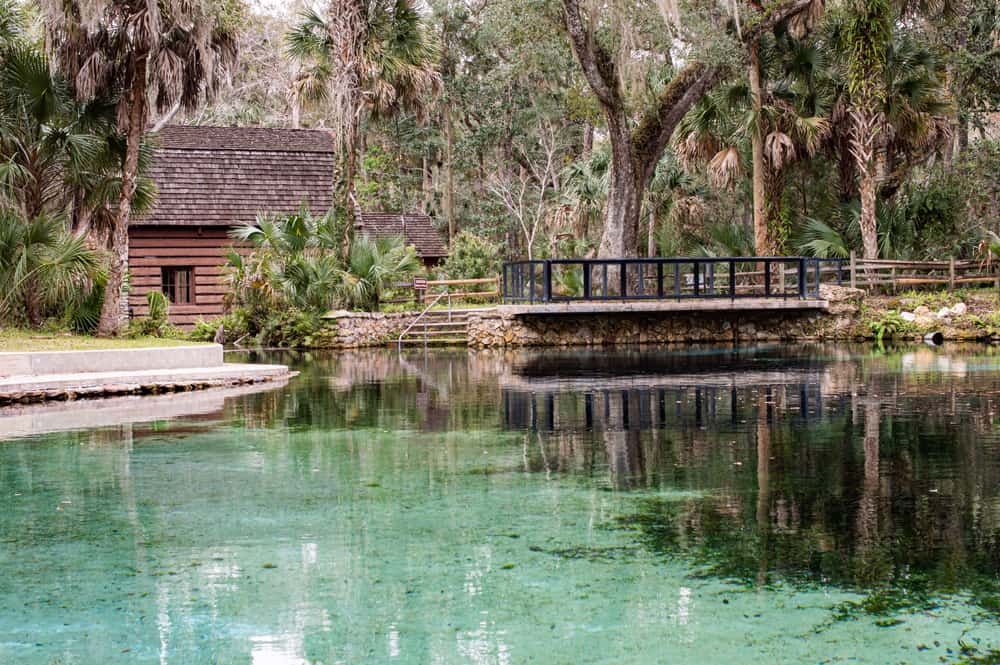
(481, 507)
(838, 469)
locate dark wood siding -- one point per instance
(201, 248)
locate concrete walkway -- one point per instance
(62, 375)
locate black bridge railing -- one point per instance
(569, 280)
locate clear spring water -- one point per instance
(769, 505)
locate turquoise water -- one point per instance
(770, 505)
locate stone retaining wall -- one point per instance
(353, 330)
(501, 328)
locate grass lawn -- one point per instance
(15, 339)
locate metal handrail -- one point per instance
(707, 277)
(399, 342)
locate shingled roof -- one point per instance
(224, 176)
(416, 228)
(221, 176)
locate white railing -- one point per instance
(437, 299)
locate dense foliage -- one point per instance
(516, 148)
(295, 271)
(522, 127)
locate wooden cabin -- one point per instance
(211, 179)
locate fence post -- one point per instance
(854, 270)
(803, 276)
(547, 284)
(951, 273)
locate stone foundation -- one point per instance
(506, 329)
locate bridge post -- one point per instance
(547, 281)
(531, 282)
(803, 276)
(586, 281)
(732, 279)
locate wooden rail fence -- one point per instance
(894, 275)
(437, 286)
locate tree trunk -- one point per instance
(295, 103)
(32, 306)
(352, 206)
(621, 217)
(426, 185)
(762, 243)
(634, 154)
(651, 235)
(845, 169)
(863, 147)
(111, 312)
(868, 220)
(774, 189)
(449, 205)
(588, 141)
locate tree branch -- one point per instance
(774, 14)
(594, 60)
(650, 138)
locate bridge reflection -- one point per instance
(645, 391)
(653, 408)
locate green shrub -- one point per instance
(889, 325)
(156, 323)
(472, 257)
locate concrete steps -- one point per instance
(441, 328)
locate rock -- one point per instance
(943, 313)
(924, 320)
(959, 309)
(836, 294)
(922, 310)
(908, 316)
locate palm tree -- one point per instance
(147, 54)
(58, 155)
(42, 145)
(55, 164)
(787, 116)
(365, 59)
(42, 267)
(373, 264)
(873, 96)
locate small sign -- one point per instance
(420, 283)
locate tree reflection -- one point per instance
(829, 500)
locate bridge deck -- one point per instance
(691, 305)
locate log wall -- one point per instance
(202, 248)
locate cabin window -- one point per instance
(178, 284)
